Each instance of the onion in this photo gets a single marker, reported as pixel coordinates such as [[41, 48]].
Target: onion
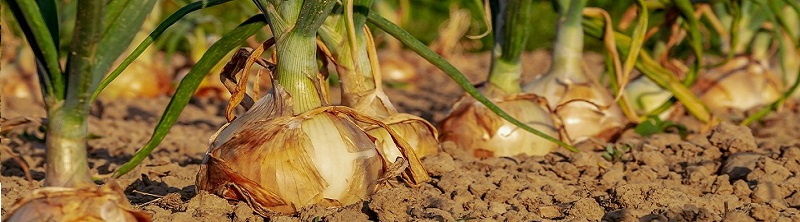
[[584, 107], [106, 203], [395, 70], [741, 83], [417, 132], [484, 134], [279, 162]]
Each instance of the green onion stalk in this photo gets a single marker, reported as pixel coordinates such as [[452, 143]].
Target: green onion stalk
[[350, 43], [99, 38], [291, 149], [478, 130], [576, 98]]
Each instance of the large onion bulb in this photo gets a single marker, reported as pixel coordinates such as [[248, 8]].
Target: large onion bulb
[[279, 162]]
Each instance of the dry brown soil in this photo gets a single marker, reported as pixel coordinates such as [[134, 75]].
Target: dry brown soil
[[725, 172]]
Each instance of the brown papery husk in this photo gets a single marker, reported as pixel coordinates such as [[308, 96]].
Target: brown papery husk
[[421, 135], [396, 70], [741, 83], [484, 134], [267, 157], [584, 109], [91, 203]]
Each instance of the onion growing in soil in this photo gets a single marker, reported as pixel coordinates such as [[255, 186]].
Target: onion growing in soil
[[106, 203], [290, 149], [474, 127], [744, 81], [395, 70], [70, 193], [354, 53], [582, 106], [740, 83]]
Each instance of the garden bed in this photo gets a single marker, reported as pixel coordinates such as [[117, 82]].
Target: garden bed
[[724, 172]]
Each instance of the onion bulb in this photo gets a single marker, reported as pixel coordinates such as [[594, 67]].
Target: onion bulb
[[106, 203], [645, 96], [395, 70], [584, 107], [362, 73], [280, 162], [484, 134], [741, 83]]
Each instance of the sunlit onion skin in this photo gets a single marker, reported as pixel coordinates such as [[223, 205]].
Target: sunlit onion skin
[[396, 70], [741, 83], [585, 109], [479, 131], [417, 132], [106, 203], [279, 162]]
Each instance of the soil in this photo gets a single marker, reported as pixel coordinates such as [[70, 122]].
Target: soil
[[723, 172]]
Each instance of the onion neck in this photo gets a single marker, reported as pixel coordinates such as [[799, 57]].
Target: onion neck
[[355, 70], [297, 68], [504, 78], [510, 36], [66, 164], [568, 51], [297, 71]]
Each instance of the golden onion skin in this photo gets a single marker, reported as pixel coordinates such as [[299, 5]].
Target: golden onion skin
[[396, 70], [417, 132], [106, 203], [585, 110], [741, 83], [279, 163], [477, 129]]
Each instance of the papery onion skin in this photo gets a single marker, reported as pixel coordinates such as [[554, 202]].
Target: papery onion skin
[[107, 203], [290, 162], [741, 83], [484, 134], [418, 133], [395, 70]]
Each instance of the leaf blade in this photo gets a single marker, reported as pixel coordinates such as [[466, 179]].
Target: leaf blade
[[189, 84], [168, 22]]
